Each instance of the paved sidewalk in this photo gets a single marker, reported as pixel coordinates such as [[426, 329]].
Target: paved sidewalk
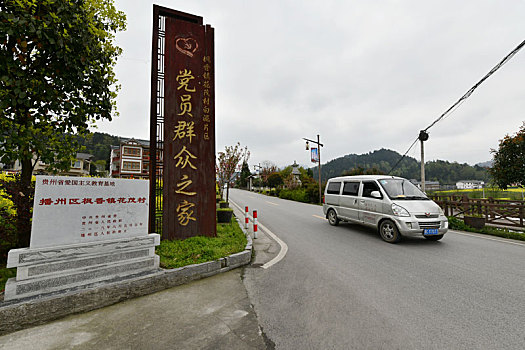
[[212, 313]]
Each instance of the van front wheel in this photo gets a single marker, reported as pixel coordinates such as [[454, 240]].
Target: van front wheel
[[389, 232], [332, 218]]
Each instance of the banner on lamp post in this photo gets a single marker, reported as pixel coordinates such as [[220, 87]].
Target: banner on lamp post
[[314, 155]]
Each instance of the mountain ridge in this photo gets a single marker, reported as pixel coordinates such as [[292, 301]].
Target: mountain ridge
[[383, 160]]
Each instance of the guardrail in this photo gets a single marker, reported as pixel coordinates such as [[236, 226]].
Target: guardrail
[[495, 211]]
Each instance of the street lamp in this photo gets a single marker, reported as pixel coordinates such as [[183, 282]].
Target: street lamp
[[319, 145]]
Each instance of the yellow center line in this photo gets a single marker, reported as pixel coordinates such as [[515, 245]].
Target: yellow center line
[[320, 217], [271, 203]]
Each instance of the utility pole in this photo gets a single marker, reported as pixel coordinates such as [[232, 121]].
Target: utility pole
[[319, 145], [423, 136]]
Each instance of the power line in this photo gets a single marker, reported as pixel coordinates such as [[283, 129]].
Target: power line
[[465, 96], [404, 155], [471, 90]]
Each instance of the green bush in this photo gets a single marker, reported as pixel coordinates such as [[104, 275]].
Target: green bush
[[298, 195], [457, 224], [5, 274]]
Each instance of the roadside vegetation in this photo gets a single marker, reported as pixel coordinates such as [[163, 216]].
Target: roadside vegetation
[[5, 274], [496, 193], [195, 250], [296, 184], [458, 224]]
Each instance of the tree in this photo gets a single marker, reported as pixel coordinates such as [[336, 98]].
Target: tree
[[57, 63], [227, 162], [360, 171], [245, 173], [509, 160], [267, 168], [275, 180]]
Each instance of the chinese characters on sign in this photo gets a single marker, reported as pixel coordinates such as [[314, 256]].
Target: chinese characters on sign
[[184, 133], [106, 225], [206, 96], [77, 182], [188, 173], [70, 210]]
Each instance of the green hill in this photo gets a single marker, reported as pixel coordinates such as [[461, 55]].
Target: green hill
[[384, 159]]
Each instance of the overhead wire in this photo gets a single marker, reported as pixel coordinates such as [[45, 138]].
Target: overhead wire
[[464, 97], [404, 155]]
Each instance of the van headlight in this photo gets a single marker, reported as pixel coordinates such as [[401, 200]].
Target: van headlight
[[399, 210], [441, 212]]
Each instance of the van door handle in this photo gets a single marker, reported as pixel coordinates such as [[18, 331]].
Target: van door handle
[[362, 200]]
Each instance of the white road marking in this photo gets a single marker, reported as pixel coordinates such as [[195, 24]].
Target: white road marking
[[502, 240], [284, 246], [320, 217], [272, 203], [282, 252]]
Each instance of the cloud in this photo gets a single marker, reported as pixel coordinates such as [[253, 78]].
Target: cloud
[[364, 75]]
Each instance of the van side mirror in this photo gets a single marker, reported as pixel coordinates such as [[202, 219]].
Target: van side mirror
[[375, 194]]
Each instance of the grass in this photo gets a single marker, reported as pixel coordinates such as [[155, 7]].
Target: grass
[[458, 224], [195, 250]]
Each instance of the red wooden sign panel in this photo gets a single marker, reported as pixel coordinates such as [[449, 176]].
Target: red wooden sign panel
[[188, 173]]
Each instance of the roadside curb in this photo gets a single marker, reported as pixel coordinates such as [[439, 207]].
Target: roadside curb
[[24, 313]]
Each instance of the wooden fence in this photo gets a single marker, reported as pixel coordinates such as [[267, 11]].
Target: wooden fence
[[495, 211]]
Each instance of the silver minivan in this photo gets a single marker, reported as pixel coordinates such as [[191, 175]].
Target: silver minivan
[[393, 205]]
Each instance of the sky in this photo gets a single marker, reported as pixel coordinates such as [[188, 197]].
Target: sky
[[364, 75]]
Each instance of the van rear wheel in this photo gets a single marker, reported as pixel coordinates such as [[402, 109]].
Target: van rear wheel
[[389, 232], [332, 218]]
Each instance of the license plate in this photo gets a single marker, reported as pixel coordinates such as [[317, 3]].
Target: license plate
[[431, 231]]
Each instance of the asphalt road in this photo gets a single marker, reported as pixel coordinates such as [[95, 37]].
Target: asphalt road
[[344, 288]]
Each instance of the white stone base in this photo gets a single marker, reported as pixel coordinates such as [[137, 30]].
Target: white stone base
[[47, 270]]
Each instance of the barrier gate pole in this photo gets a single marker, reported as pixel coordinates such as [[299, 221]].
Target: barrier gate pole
[[254, 224], [246, 219]]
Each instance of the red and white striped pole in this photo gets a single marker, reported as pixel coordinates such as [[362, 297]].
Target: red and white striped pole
[[255, 224], [246, 219]]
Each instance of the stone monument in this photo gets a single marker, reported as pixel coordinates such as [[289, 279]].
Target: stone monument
[[85, 232]]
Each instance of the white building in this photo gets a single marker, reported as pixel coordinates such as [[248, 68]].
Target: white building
[[469, 184], [79, 167], [131, 159]]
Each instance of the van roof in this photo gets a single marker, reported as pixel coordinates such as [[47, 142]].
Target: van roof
[[365, 177]]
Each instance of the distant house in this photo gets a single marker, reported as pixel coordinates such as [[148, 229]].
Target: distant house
[[131, 159], [79, 167], [429, 185], [469, 184]]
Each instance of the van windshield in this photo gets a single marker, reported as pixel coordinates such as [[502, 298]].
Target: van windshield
[[402, 189]]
